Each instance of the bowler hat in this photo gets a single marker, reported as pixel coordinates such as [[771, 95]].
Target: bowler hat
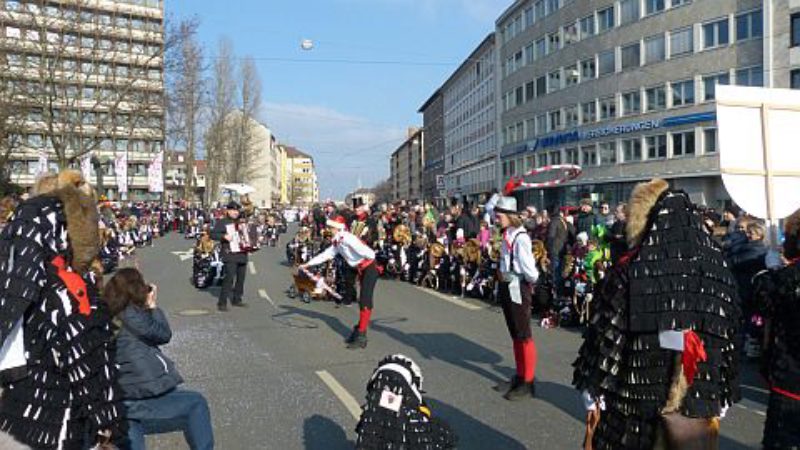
[[507, 205]]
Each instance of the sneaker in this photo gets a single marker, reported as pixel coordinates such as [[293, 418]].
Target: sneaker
[[520, 391], [359, 342], [222, 308]]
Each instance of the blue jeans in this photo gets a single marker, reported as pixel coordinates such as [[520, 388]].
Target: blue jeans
[[177, 410]]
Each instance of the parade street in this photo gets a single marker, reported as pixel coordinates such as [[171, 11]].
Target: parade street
[[278, 376]]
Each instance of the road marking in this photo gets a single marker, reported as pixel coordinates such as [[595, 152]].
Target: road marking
[[252, 266], [188, 254], [449, 298], [265, 296], [756, 389], [753, 410], [341, 393]]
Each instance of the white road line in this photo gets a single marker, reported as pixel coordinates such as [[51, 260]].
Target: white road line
[[752, 410], [341, 393], [265, 296], [755, 388], [252, 266], [449, 298]]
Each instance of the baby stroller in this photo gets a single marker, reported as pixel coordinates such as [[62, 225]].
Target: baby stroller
[[202, 270], [310, 286]]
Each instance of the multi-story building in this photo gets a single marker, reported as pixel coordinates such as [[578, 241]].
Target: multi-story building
[[85, 79], [175, 178], [625, 88], [406, 167], [470, 118], [433, 124], [303, 187]]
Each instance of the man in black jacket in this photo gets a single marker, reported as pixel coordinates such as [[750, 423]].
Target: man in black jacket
[[235, 262]]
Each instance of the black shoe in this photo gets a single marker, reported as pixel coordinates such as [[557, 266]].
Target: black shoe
[[222, 308], [520, 391], [359, 342], [504, 386], [239, 304], [353, 334]]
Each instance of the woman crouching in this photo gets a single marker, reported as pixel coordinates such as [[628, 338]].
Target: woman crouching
[[148, 379]]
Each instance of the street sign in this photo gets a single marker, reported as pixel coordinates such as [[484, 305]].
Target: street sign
[[440, 183]]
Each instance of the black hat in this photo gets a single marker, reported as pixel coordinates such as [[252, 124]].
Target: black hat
[[233, 205]]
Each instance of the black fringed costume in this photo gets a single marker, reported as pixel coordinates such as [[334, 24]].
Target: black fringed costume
[[778, 298], [399, 417], [60, 390], [674, 279]]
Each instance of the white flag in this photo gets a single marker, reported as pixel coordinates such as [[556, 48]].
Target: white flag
[[41, 167], [121, 169], [155, 174], [86, 166]]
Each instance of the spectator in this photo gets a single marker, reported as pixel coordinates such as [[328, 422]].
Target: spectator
[[559, 234], [617, 239], [586, 219], [148, 379], [606, 217]]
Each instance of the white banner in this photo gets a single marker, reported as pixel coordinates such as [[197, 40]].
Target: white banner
[[155, 173], [86, 166], [121, 170], [41, 167]]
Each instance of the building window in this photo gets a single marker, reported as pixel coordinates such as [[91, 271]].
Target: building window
[[656, 98], [519, 96], [541, 160], [606, 63], [555, 157], [654, 49], [631, 150], [554, 81], [541, 86], [608, 153], [751, 76], [656, 146], [653, 6], [13, 32], [528, 16], [681, 42], [552, 6], [608, 108], [530, 55], [715, 34], [587, 27], [541, 48], [588, 69], [571, 116], [589, 155], [572, 156], [553, 42], [555, 120], [710, 82], [749, 25], [605, 19], [631, 103], [571, 75], [541, 11], [682, 93], [683, 144], [541, 124], [631, 55], [628, 11], [588, 112], [570, 33], [530, 91], [710, 140], [794, 79], [795, 25]]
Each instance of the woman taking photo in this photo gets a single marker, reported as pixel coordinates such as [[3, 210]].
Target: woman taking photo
[[149, 380]]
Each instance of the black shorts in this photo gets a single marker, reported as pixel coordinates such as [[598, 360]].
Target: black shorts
[[518, 316]]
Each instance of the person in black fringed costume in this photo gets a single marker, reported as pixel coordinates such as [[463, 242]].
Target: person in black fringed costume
[[778, 298], [673, 279], [395, 415], [58, 378]]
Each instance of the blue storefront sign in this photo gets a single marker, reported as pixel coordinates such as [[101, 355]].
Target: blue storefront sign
[[558, 139]]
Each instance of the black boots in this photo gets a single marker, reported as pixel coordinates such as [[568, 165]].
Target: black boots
[[358, 341], [520, 390]]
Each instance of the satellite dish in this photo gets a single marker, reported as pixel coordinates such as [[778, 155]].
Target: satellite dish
[[307, 44]]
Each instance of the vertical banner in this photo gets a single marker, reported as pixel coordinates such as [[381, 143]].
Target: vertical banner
[[41, 167], [155, 173], [121, 170], [86, 166]]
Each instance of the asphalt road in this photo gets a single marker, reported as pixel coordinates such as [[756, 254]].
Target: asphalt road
[[277, 375]]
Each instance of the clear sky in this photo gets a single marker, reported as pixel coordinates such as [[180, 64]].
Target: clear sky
[[351, 114]]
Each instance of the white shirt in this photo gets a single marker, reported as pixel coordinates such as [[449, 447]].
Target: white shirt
[[524, 264], [351, 248]]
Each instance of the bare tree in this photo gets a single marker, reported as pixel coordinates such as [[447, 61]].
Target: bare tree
[[222, 104], [186, 92], [383, 191], [248, 142], [13, 114]]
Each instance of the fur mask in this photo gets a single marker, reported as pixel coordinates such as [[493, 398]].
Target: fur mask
[[80, 210], [643, 198]]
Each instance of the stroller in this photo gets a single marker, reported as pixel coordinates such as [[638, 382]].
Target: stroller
[[310, 286]]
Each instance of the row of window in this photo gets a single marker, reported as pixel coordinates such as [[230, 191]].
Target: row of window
[[86, 15], [473, 179], [794, 23], [31, 167], [651, 49], [533, 13], [678, 144], [631, 103], [85, 68], [83, 41], [102, 119], [38, 141]]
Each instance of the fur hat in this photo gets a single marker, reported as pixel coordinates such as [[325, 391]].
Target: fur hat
[[643, 198], [80, 209], [402, 234]]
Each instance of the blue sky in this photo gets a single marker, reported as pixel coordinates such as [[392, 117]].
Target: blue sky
[[349, 116]]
